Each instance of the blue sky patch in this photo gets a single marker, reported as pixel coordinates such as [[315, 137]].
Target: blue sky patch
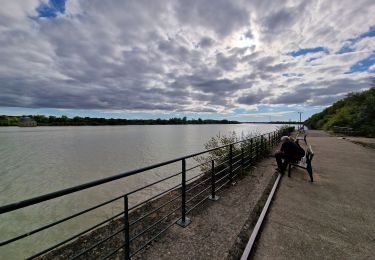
[[363, 65], [370, 33], [346, 49], [52, 8], [348, 46], [307, 50]]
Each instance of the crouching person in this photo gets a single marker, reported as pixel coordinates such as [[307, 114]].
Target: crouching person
[[289, 152]]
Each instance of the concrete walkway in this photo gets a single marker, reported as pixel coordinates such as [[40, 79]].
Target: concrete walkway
[[332, 218]]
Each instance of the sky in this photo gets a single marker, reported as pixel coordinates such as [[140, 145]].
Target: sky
[[242, 60]]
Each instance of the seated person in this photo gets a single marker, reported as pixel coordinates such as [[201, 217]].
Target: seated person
[[289, 152]]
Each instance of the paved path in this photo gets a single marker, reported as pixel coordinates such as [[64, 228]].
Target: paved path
[[332, 218]]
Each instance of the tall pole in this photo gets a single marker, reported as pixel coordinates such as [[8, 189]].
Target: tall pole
[[300, 119]]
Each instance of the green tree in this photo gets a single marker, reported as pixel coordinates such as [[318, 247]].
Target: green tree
[[356, 110]]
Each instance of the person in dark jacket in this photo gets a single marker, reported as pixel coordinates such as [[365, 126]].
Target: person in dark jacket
[[289, 152]]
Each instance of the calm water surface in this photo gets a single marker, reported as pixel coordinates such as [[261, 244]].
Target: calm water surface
[[35, 161]]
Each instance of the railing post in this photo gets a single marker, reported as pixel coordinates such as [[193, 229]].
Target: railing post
[[213, 195], [251, 150], [269, 140], [126, 229], [259, 148], [274, 138], [230, 161], [184, 221], [261, 145], [265, 143], [242, 159]]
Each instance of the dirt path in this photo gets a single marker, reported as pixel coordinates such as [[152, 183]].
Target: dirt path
[[332, 218]]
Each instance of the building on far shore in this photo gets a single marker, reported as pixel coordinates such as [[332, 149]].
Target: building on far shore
[[26, 121]]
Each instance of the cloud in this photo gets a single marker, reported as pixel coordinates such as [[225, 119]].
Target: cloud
[[252, 98], [316, 93], [182, 55], [206, 42], [352, 44], [223, 17], [262, 114]]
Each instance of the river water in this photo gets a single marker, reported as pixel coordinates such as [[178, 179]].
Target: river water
[[35, 161]]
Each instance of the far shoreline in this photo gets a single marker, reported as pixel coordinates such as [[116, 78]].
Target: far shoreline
[[239, 123], [42, 120]]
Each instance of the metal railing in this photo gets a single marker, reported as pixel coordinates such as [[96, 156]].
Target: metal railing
[[135, 229]]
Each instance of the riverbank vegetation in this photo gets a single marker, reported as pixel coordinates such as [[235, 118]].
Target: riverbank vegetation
[[247, 144], [356, 110], [81, 121]]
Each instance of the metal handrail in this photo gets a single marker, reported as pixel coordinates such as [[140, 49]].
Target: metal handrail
[[56, 194], [25, 203], [256, 145]]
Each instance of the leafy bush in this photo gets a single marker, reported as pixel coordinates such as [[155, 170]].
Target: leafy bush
[[220, 156]]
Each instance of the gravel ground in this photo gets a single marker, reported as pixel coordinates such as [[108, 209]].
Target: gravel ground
[[220, 229]]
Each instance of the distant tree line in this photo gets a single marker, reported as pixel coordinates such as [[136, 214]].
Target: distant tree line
[[356, 110], [80, 121], [276, 122], [9, 120]]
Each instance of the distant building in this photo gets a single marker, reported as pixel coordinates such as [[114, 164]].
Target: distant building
[[26, 121]]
